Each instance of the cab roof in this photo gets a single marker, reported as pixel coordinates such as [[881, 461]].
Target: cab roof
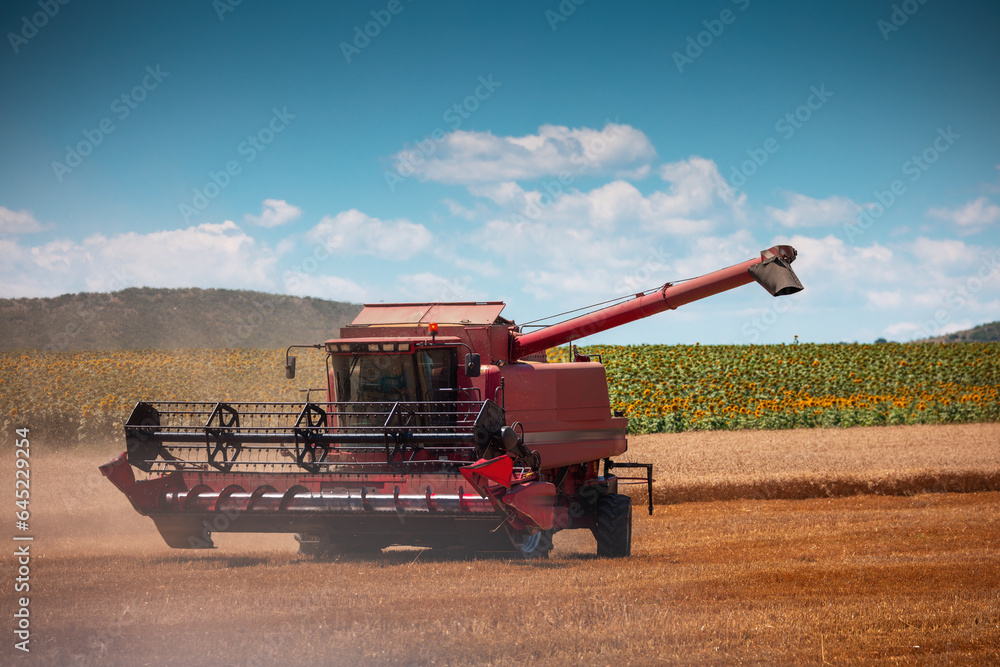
[[460, 313]]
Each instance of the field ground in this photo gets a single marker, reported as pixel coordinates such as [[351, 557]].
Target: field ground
[[760, 577]]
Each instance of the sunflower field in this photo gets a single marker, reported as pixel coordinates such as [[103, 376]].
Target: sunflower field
[[75, 396], [669, 388]]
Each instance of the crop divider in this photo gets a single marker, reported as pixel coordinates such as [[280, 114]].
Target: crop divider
[[610, 465]]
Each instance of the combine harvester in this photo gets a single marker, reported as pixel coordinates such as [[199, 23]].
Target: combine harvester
[[442, 427]]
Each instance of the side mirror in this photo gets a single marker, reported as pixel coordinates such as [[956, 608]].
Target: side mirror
[[472, 365], [289, 367]]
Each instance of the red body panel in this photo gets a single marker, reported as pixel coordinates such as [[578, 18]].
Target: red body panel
[[565, 411]]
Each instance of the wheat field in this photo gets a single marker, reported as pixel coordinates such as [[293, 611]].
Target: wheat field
[[811, 463], [878, 579]]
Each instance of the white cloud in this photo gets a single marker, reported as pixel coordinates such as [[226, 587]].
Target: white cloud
[[803, 211], [942, 252], [904, 330], [19, 222], [933, 286], [915, 330], [844, 273], [971, 217], [466, 261], [885, 299], [507, 193], [618, 204], [355, 232], [614, 239], [208, 255], [275, 212], [459, 211], [416, 287], [697, 201], [710, 253], [429, 287], [695, 183], [552, 259], [952, 327], [217, 253], [469, 158], [330, 287]]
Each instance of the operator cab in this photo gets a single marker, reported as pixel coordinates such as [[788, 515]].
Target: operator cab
[[374, 374], [424, 375]]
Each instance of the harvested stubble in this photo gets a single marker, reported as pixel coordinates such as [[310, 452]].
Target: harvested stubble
[[880, 580], [817, 463]]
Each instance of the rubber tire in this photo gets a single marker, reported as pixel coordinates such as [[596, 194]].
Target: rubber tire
[[533, 547], [614, 526]]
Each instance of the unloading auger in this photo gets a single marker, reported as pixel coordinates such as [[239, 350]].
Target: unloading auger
[[442, 426]]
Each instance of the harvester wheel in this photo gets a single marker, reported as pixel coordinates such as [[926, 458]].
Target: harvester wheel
[[614, 526]]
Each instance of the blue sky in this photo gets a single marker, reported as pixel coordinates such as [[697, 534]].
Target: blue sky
[[548, 154]]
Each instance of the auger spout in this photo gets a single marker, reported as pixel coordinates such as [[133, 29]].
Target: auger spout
[[772, 270]]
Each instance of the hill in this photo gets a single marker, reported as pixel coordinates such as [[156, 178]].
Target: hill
[[984, 333], [147, 318]]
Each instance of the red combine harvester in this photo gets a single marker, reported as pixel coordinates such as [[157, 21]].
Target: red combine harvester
[[438, 430]]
